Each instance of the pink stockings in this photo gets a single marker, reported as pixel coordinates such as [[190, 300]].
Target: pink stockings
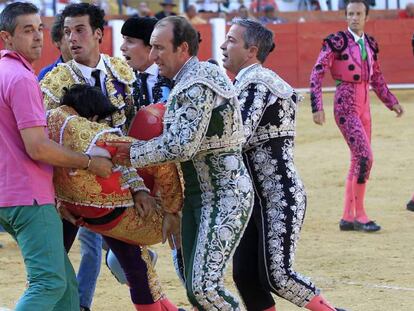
[[354, 208], [319, 303], [161, 305]]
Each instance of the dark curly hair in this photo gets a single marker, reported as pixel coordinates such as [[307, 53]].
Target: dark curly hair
[[88, 101], [95, 13], [56, 32]]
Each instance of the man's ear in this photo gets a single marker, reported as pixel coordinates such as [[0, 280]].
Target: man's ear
[[99, 34], [5, 36], [253, 50], [184, 48]]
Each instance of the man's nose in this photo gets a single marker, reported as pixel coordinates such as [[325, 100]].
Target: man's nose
[[153, 55]]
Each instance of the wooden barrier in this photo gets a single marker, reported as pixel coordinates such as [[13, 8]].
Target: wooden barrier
[[205, 51], [298, 45]]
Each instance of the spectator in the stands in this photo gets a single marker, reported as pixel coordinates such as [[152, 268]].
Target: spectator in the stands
[[207, 6], [315, 5], [144, 10], [270, 16], [192, 16], [408, 12], [243, 12], [167, 9], [260, 5]]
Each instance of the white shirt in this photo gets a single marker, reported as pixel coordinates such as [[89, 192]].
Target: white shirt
[[87, 73], [241, 72], [151, 80], [356, 37]]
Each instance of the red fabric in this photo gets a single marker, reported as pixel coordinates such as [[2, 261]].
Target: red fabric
[[403, 14], [87, 211], [167, 305], [156, 306], [148, 122], [111, 184]]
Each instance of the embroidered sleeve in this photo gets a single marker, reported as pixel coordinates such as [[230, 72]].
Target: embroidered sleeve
[[323, 63], [49, 102], [185, 124], [131, 180], [253, 101], [380, 87]]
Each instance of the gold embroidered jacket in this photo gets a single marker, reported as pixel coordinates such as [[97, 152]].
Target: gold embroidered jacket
[[118, 84]]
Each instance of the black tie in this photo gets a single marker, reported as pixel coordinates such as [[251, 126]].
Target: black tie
[[145, 100], [96, 74]]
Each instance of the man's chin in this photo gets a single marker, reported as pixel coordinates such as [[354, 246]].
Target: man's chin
[[78, 58]]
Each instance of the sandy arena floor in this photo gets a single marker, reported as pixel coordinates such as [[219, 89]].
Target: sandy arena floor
[[357, 271]]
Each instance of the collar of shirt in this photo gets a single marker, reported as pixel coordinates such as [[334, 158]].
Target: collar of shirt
[[356, 37], [87, 71], [241, 72], [16, 55], [179, 71], [152, 70]]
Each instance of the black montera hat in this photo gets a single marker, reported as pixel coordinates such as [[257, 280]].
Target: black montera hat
[[139, 27]]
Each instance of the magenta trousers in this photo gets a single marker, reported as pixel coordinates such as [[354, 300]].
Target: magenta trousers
[[353, 117]]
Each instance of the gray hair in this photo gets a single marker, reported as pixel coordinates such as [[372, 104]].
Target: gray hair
[[10, 13], [256, 35]]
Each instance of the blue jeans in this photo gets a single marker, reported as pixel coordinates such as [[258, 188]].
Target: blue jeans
[[39, 235], [90, 265]]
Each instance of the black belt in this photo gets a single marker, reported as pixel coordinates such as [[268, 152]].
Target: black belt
[[118, 211]]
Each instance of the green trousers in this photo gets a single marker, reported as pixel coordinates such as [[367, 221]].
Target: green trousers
[[52, 281], [217, 206]]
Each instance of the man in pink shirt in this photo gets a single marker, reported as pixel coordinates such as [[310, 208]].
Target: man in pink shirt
[[27, 199]]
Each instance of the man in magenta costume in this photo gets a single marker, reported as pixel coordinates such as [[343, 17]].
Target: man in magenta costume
[[352, 58]]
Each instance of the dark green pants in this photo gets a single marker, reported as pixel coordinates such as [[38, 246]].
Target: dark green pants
[[218, 204]]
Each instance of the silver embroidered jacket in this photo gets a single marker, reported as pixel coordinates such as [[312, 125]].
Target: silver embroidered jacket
[[202, 114], [268, 105]]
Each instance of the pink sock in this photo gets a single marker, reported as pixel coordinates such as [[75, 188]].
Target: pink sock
[[156, 306], [319, 303], [359, 191], [273, 308], [167, 305], [349, 202], [412, 198]]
